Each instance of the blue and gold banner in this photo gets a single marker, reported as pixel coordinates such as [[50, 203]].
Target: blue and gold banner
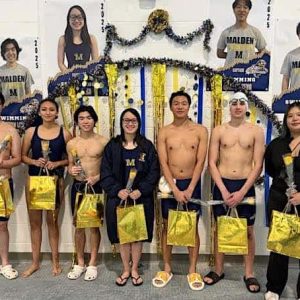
[[254, 75], [280, 102], [22, 114]]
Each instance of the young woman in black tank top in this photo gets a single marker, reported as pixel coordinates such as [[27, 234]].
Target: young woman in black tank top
[[57, 137], [77, 44]]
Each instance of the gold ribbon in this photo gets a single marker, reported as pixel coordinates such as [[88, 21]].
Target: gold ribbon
[[97, 103], [217, 98], [112, 76], [253, 115], [158, 95], [175, 79], [73, 103]]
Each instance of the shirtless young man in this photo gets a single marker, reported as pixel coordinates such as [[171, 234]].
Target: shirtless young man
[[9, 158], [235, 161], [182, 147], [89, 148]]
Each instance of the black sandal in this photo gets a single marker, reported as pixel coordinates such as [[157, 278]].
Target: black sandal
[[122, 279], [252, 281], [214, 277], [136, 280]]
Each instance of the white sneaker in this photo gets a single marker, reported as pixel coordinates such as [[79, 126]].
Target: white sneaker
[[271, 296]]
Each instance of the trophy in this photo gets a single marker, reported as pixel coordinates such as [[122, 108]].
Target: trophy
[[4, 143], [77, 162]]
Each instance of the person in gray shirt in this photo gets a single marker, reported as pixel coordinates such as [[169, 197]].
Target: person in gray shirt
[[15, 79], [241, 39], [291, 68]]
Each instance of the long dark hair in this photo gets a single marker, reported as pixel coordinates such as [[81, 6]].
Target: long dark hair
[[139, 139], [84, 34], [285, 130]]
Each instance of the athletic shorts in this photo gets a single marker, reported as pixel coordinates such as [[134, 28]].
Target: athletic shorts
[[244, 210], [79, 187], [11, 185], [171, 203]]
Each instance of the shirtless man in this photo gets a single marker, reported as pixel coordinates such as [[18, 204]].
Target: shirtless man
[[9, 158], [235, 161], [89, 147], [182, 147]]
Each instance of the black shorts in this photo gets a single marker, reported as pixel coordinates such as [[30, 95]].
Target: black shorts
[[171, 203], [11, 185], [244, 210], [79, 187]]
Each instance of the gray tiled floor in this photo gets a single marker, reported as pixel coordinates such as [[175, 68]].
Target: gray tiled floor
[[42, 285]]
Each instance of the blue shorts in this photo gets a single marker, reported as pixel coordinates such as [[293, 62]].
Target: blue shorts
[[244, 210], [11, 185], [78, 187], [171, 203]]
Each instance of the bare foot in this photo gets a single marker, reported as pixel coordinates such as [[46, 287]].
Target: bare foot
[[56, 269], [28, 272]]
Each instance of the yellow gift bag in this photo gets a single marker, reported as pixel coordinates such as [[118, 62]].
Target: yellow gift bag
[[89, 208], [6, 204], [42, 192], [284, 234], [131, 223], [181, 228], [232, 234]]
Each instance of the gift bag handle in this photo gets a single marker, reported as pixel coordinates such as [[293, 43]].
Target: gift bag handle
[[125, 201], [186, 206], [46, 170], [87, 186], [288, 206], [234, 210]]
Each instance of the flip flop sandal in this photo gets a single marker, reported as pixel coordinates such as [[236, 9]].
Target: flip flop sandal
[[163, 277], [195, 281], [91, 273], [136, 281], [122, 279], [76, 272], [252, 281], [8, 272], [214, 277]]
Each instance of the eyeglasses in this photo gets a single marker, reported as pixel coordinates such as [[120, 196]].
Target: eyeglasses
[[76, 17], [128, 121]]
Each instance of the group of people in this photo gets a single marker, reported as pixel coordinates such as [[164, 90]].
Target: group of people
[[235, 159]]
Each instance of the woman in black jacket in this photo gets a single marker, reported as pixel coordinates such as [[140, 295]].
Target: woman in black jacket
[[288, 142], [126, 151]]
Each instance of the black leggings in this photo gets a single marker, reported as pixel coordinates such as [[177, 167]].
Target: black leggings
[[277, 273]]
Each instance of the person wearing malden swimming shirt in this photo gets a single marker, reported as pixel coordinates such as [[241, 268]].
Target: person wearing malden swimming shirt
[[291, 68], [15, 79], [240, 40]]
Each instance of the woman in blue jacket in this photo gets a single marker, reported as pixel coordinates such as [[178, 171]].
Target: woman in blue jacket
[[126, 151]]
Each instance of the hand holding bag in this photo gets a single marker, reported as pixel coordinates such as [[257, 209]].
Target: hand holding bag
[[232, 234]]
